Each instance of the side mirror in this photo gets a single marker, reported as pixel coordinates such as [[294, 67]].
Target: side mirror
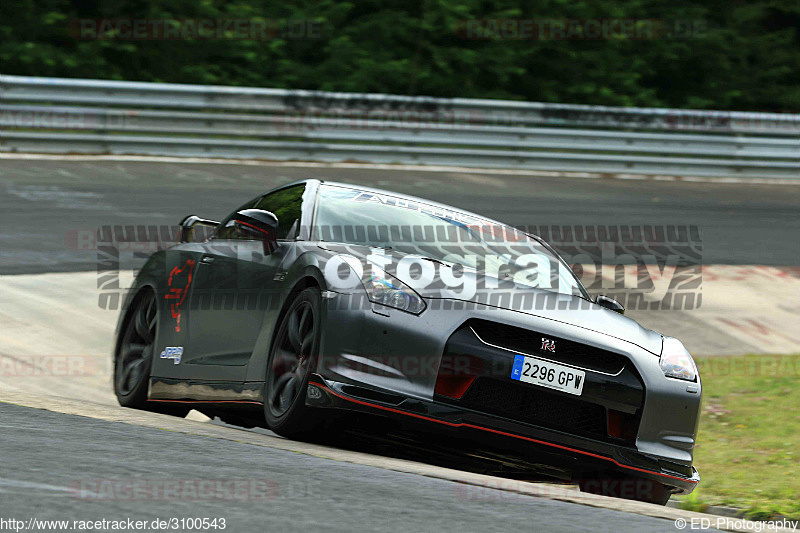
[[190, 232], [260, 225], [610, 303]]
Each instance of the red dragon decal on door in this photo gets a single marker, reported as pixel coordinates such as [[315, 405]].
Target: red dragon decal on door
[[178, 283]]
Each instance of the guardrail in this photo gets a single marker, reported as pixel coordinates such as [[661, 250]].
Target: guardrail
[[96, 116]]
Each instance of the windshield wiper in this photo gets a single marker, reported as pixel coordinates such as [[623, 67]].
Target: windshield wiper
[[434, 260]]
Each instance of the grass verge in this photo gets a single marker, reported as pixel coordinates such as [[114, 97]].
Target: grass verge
[[748, 445]]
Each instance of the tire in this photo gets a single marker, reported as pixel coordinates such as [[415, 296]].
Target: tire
[[292, 358], [134, 358], [628, 488]]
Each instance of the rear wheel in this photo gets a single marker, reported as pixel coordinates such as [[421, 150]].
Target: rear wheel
[[135, 357], [292, 357]]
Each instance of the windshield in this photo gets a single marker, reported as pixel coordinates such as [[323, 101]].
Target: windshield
[[354, 216]]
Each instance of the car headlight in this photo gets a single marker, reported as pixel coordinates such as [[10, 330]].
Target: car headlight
[[676, 361], [386, 290]]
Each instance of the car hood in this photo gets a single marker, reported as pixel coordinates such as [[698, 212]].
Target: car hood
[[478, 288], [550, 305]]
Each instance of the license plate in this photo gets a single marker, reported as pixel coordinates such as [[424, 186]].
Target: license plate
[[546, 374]]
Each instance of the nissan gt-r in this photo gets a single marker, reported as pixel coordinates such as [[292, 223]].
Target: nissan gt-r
[[318, 299]]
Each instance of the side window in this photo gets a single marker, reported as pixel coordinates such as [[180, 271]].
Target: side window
[[286, 204]]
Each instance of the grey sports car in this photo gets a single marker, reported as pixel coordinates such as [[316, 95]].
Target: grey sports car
[[318, 299]]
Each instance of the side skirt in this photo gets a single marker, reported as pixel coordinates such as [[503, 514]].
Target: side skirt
[[211, 392]]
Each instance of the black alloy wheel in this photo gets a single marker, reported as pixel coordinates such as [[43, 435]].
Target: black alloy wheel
[[135, 357], [292, 358]]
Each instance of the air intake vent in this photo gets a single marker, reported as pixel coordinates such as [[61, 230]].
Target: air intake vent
[[530, 342], [528, 404]]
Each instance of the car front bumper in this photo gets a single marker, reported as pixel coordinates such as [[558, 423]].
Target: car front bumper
[[534, 444], [387, 361]]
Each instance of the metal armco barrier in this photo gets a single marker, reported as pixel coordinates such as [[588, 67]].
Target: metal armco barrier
[[55, 115]]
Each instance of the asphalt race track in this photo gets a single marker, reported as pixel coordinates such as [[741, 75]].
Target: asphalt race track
[[78, 437], [746, 229], [88, 469], [43, 200]]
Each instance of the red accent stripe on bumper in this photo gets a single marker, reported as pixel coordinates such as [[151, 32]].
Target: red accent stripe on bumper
[[206, 401], [496, 431]]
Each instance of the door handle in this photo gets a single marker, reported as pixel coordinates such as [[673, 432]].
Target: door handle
[[207, 259]]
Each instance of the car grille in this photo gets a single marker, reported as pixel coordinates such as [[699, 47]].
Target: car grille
[[527, 404], [530, 342]]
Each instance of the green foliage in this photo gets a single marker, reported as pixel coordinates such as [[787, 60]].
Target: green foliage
[[743, 56]]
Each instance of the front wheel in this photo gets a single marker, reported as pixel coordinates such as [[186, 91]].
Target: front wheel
[[292, 357]]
